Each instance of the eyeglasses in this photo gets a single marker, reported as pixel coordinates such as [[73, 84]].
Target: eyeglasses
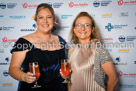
[[86, 26]]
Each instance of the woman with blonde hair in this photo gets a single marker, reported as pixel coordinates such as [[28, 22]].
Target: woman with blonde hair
[[90, 62]]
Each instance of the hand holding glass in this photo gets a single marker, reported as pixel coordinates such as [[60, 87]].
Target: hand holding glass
[[65, 69], [34, 68]]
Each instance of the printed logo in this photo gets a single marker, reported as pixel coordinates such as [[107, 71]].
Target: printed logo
[[123, 50], [17, 17], [11, 5], [120, 2], [71, 5], [4, 28], [122, 38], [7, 61], [121, 74], [103, 3], [65, 16], [106, 15], [128, 2], [62, 27], [96, 3], [2, 5], [127, 86], [7, 84], [34, 26], [109, 27], [123, 14], [55, 5], [6, 73], [118, 61], [25, 5]]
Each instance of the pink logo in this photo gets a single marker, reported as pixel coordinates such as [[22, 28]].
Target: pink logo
[[5, 39], [25, 5], [120, 2], [120, 73], [71, 4]]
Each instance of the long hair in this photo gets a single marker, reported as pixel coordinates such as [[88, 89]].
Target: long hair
[[94, 34]]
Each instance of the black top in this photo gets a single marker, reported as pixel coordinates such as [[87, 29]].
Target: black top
[[49, 65]]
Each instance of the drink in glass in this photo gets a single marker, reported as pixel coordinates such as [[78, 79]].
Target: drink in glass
[[34, 68], [65, 69]]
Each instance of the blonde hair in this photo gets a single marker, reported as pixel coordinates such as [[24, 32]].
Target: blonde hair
[[94, 35], [44, 6]]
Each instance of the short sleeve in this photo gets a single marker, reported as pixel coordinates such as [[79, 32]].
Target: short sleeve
[[103, 54], [22, 44]]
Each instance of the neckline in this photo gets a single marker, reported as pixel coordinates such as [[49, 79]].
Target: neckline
[[34, 47]]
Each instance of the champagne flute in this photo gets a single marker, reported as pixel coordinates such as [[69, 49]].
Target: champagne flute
[[65, 69], [34, 68]]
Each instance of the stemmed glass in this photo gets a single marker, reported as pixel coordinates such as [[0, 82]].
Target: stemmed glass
[[65, 69], [34, 68]]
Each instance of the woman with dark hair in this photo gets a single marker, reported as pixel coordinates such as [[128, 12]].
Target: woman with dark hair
[[42, 47], [90, 62]]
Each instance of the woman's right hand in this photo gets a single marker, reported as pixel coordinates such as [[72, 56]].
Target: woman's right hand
[[29, 78]]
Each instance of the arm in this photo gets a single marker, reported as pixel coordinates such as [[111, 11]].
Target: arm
[[109, 69], [15, 67]]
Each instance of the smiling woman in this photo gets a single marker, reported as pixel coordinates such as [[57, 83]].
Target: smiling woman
[[90, 64], [42, 47]]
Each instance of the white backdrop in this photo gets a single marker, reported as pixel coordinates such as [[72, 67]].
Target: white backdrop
[[116, 20]]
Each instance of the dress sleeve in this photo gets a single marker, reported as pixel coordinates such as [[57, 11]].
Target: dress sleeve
[[104, 55], [64, 46], [22, 44], [62, 41]]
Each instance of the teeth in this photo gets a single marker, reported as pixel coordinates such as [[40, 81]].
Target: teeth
[[45, 25], [82, 32]]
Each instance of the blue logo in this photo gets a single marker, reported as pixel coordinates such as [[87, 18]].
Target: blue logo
[[17, 17], [96, 3], [6, 73], [122, 38], [1, 16], [34, 26], [7, 59], [65, 16], [109, 27], [62, 27], [118, 59], [2, 5]]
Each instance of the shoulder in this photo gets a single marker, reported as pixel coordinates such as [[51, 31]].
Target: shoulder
[[70, 50], [61, 39], [29, 37]]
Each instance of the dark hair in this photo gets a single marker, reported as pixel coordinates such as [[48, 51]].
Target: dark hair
[[44, 6], [94, 34]]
